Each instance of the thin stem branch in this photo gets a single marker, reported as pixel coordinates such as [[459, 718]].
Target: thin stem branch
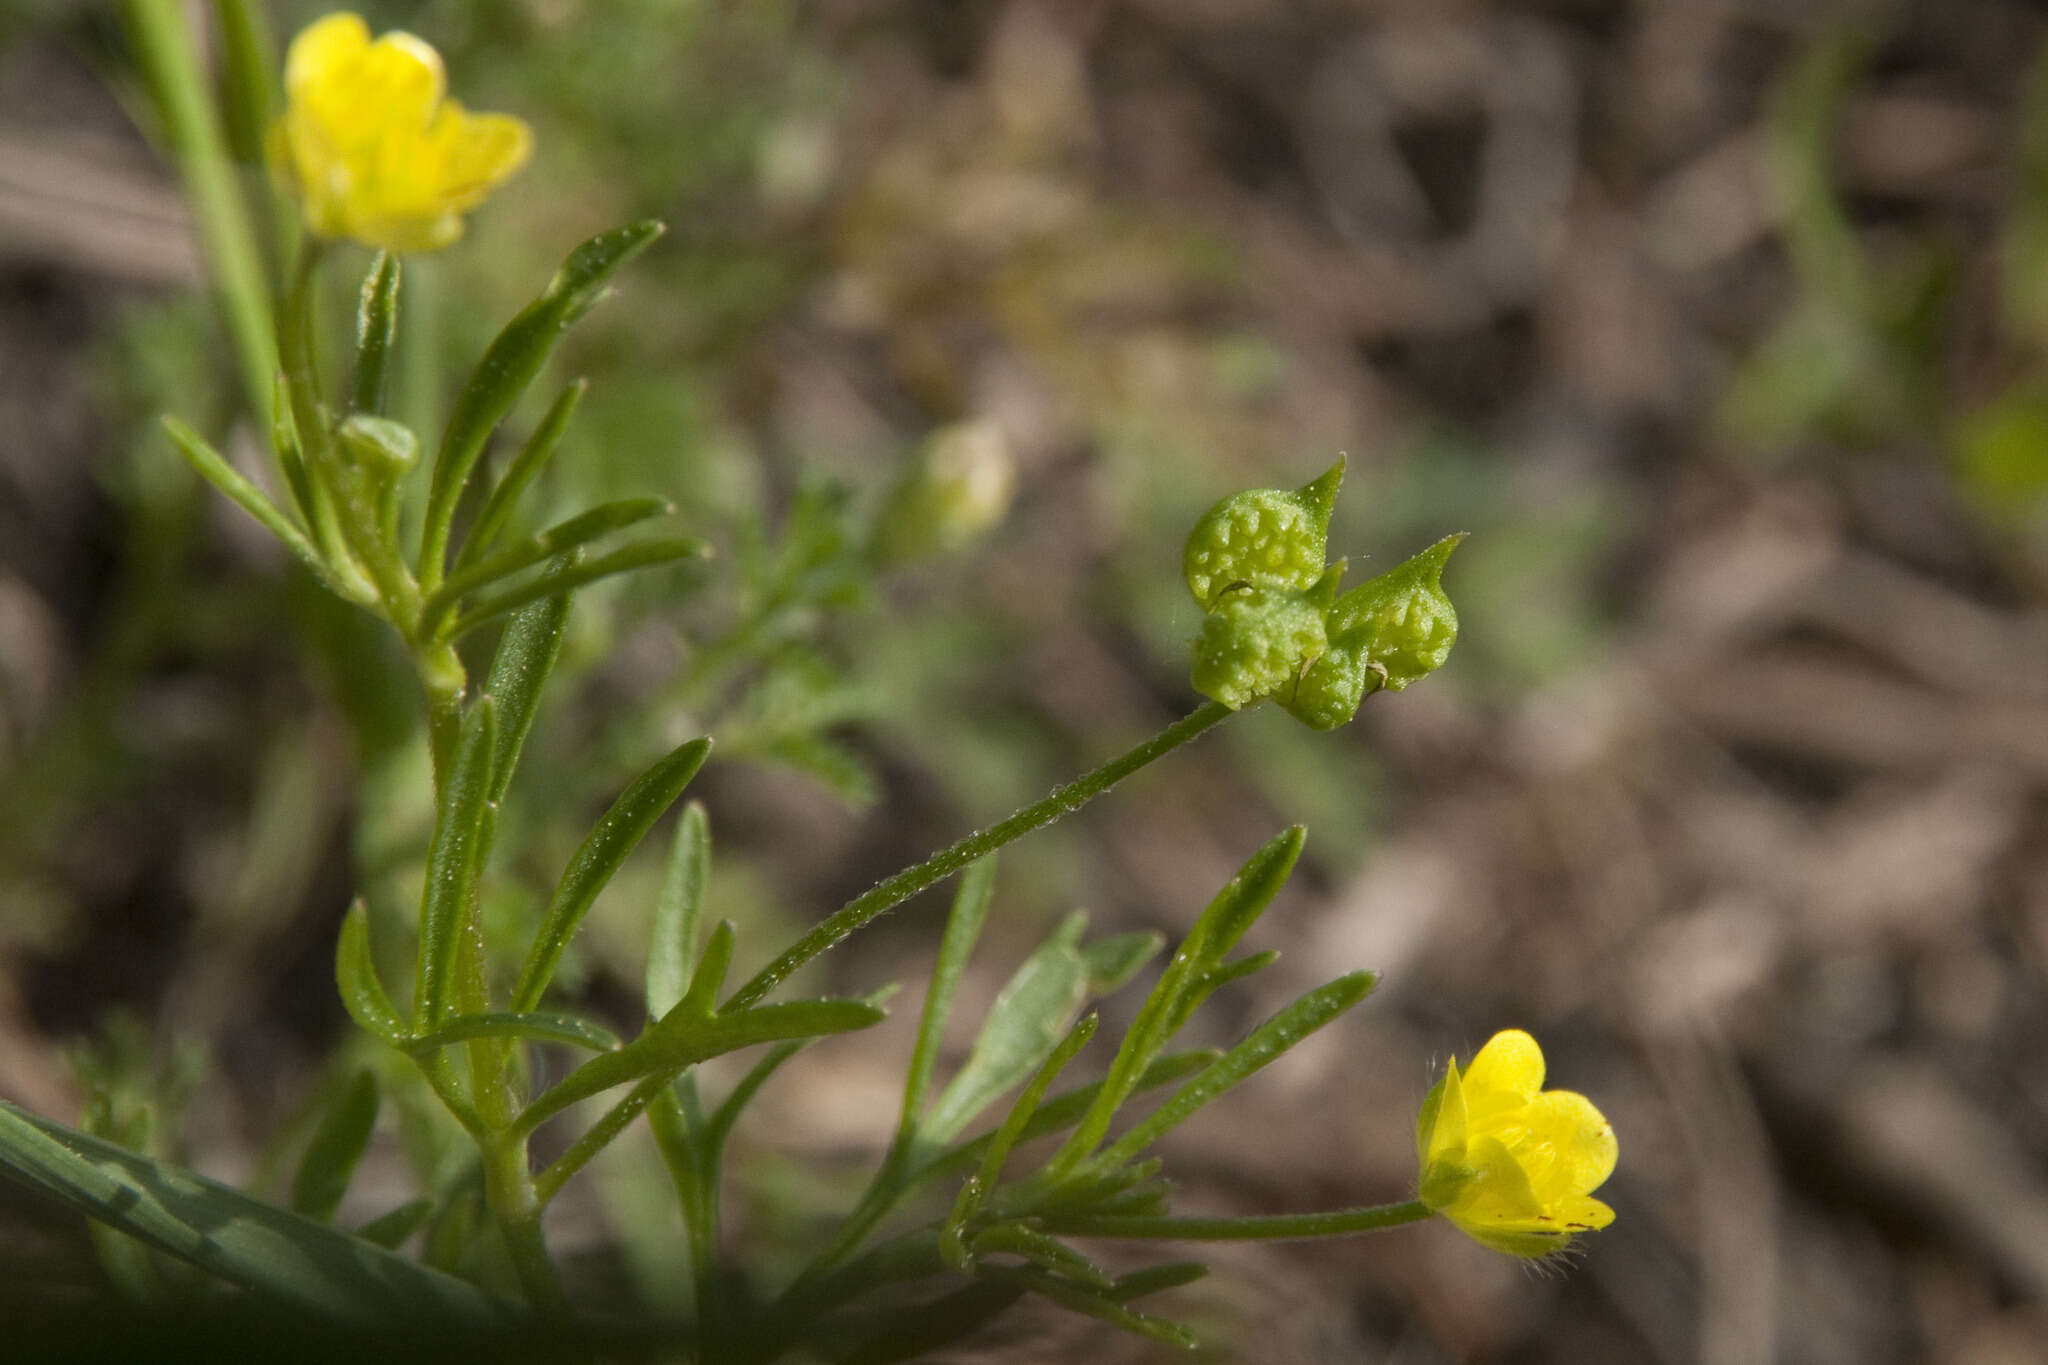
[[1269, 1228], [886, 895]]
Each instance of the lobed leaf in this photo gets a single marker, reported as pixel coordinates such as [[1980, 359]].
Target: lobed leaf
[[454, 864], [355, 973]]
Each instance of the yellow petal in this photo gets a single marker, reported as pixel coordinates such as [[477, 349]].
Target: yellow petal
[[468, 155], [1511, 1064], [323, 47], [1566, 1145]]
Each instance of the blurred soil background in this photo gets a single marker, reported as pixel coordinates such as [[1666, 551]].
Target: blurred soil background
[[1720, 326]]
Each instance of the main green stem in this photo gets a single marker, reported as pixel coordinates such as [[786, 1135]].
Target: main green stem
[[886, 895]]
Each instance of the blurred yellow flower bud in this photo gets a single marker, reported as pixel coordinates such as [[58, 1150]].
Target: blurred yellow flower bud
[[1512, 1164], [958, 487], [373, 150]]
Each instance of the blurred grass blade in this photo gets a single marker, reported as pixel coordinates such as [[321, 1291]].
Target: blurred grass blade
[[454, 863], [677, 909], [525, 467], [247, 84], [526, 655], [541, 1027], [287, 1259], [559, 539], [1029, 1017], [607, 846], [376, 329], [355, 972], [391, 1229], [337, 1145], [1279, 1033], [510, 364], [963, 930], [643, 555]]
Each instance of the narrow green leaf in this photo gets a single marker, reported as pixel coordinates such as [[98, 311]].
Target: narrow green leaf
[[1095, 1303], [963, 929], [1156, 1279], [525, 467], [510, 364], [338, 1144], [559, 539], [683, 1039], [287, 1259], [212, 466], [1014, 1123], [641, 555], [541, 1027], [1113, 961], [1029, 1017], [702, 993], [355, 972], [454, 865], [526, 656], [607, 846], [1047, 1253], [1279, 1033], [1216, 931], [676, 911], [376, 330], [391, 1229], [1062, 1110]]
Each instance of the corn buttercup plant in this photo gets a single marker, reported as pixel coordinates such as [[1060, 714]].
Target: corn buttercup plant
[[994, 1177]]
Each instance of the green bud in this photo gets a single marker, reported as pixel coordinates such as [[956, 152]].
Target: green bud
[[1256, 642], [381, 448], [1264, 538]]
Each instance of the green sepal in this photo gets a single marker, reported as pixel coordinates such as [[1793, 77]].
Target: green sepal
[[1262, 538], [508, 366], [606, 847], [355, 973], [336, 1147]]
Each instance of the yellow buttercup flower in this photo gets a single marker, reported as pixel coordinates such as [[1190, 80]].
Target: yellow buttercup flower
[[1512, 1164], [373, 150]]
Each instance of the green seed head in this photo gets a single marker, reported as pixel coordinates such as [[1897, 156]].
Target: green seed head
[[1266, 538]]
